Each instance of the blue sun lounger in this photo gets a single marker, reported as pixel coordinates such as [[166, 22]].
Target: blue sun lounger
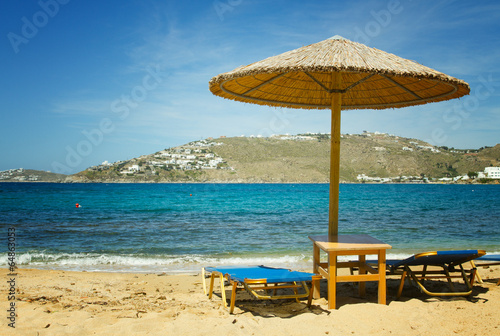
[[261, 282], [487, 260], [448, 261]]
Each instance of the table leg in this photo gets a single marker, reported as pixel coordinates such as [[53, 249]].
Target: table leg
[[316, 261], [332, 280], [362, 270], [381, 282]]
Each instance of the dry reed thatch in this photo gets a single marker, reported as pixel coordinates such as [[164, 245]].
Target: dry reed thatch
[[371, 78]]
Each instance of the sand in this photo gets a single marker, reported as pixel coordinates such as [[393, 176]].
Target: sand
[[52, 302]]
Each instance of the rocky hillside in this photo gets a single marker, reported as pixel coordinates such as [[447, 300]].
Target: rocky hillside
[[300, 158]]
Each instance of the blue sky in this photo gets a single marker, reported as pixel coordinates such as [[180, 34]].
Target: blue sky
[[88, 81]]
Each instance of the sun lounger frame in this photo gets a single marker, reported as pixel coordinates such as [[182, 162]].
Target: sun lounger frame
[[254, 285], [488, 260], [448, 261]]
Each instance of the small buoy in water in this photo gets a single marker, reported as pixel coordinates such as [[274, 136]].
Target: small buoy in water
[[190, 194], [78, 205]]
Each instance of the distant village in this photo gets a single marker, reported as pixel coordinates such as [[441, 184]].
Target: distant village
[[194, 156], [198, 155], [488, 173], [16, 175]]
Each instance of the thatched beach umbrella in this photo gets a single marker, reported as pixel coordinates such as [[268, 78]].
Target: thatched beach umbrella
[[337, 74]]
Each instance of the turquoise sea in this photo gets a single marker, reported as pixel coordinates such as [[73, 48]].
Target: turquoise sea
[[183, 227]]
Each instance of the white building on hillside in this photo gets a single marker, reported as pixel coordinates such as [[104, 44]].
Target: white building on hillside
[[492, 172]]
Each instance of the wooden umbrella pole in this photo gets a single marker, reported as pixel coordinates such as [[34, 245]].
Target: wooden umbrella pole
[[333, 217]]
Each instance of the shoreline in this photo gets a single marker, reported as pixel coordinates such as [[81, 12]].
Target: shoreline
[[182, 265], [50, 302], [493, 182]]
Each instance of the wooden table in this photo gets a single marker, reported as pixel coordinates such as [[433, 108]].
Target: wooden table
[[349, 245]]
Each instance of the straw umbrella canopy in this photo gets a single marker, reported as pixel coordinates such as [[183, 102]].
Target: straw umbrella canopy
[[337, 74]]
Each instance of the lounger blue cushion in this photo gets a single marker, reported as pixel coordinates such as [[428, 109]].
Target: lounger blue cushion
[[272, 275], [490, 257], [439, 258]]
